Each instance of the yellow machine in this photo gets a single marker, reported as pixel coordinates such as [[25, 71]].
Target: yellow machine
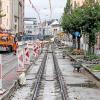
[[6, 42], [61, 34]]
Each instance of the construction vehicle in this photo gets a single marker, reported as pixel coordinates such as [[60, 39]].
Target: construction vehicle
[[7, 42]]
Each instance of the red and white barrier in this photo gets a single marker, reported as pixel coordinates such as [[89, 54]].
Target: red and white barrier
[[35, 49], [39, 47], [1, 90], [20, 55], [27, 56]]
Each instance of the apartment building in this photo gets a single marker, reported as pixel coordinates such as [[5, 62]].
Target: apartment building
[[21, 16], [76, 3], [13, 21], [31, 26], [0, 10]]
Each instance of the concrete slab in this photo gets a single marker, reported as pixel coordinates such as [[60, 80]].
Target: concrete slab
[[49, 87], [80, 87]]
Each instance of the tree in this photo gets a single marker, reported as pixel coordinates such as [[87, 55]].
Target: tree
[[85, 18], [72, 23], [91, 23]]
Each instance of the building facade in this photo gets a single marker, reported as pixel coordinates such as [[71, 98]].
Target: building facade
[[55, 27], [0, 10], [13, 21], [21, 16], [30, 26], [30, 29], [51, 27], [76, 3]]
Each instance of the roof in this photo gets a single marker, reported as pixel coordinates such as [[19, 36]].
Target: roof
[[55, 23]]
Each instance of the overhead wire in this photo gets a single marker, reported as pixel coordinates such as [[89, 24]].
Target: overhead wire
[[35, 9]]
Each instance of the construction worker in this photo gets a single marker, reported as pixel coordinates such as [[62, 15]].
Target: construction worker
[[15, 46]]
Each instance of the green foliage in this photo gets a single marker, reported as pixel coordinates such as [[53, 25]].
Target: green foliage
[[86, 18], [91, 57], [67, 9], [83, 19], [91, 18], [95, 67]]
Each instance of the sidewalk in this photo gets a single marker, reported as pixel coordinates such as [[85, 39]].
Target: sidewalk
[[79, 86], [95, 73]]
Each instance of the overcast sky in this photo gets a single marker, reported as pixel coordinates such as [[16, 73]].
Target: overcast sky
[[44, 10]]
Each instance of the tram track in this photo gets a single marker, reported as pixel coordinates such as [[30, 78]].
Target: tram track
[[63, 88], [49, 84], [39, 78]]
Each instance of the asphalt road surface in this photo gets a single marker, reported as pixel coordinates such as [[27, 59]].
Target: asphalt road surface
[[9, 63]]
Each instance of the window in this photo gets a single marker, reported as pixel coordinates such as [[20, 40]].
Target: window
[[4, 38]]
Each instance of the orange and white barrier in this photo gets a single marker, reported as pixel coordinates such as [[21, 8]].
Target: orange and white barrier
[[20, 60], [27, 56]]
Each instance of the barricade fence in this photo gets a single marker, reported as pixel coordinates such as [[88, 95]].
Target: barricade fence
[[24, 56]]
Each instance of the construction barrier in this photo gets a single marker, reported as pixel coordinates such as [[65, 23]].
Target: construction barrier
[[40, 47], [20, 55], [35, 46], [27, 55]]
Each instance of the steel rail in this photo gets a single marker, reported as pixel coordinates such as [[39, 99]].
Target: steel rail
[[63, 88], [39, 77]]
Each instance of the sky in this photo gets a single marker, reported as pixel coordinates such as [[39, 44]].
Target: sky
[[43, 9]]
